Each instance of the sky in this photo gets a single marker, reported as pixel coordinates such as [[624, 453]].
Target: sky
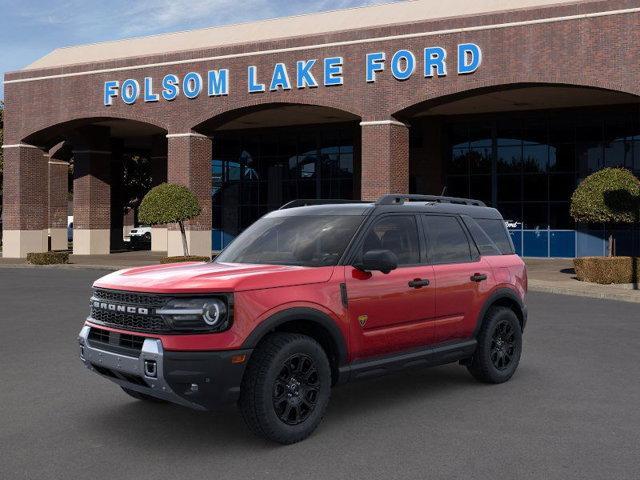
[[29, 29]]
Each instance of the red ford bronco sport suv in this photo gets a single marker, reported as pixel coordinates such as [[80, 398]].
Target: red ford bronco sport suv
[[312, 295]]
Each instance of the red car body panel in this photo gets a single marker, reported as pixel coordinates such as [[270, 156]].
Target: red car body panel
[[260, 291], [198, 278], [384, 314]]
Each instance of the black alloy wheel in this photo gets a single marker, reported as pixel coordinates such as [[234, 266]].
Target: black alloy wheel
[[296, 388], [503, 345], [286, 387], [499, 347]]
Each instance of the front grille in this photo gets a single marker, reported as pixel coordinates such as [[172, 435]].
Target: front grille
[[127, 320], [99, 335], [148, 300], [122, 343], [131, 341]]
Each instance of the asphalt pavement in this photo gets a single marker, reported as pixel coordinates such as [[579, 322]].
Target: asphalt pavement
[[571, 410]]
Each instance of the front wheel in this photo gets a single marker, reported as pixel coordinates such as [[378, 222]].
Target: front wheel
[[499, 347], [285, 390]]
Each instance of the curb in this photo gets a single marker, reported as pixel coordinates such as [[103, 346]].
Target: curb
[[629, 297]]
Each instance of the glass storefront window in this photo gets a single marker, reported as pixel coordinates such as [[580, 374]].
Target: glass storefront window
[[538, 158], [256, 171]]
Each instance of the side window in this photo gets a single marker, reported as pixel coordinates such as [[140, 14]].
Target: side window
[[485, 244], [448, 242], [397, 233], [497, 231]]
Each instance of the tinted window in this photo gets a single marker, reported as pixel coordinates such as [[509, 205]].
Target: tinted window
[[447, 240], [398, 234], [485, 244], [497, 231], [314, 240]]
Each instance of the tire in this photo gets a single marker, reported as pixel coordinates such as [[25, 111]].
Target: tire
[[286, 388], [141, 396], [499, 347]]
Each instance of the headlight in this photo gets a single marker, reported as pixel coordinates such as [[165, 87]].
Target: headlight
[[196, 314]]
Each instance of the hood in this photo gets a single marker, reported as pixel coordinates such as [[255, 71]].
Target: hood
[[211, 277]]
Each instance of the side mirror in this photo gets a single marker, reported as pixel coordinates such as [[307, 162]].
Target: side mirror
[[380, 260]]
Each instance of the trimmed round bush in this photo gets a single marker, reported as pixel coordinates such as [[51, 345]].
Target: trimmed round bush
[[611, 195], [168, 203]]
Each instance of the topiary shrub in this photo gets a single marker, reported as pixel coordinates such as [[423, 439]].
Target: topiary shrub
[[170, 203], [190, 258], [611, 195], [48, 258], [607, 270]]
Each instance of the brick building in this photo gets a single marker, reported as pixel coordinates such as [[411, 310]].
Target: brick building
[[511, 102]]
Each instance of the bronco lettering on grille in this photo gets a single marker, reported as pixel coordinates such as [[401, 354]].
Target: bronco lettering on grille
[[120, 308]]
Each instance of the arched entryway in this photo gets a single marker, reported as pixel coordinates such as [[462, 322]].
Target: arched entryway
[[264, 156], [112, 162], [523, 149]]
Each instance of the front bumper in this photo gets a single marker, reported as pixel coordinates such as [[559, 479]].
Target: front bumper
[[198, 380]]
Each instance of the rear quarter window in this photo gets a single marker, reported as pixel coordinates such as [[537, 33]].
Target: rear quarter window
[[496, 230]]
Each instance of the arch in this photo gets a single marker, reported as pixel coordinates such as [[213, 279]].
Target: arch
[[412, 106], [48, 136], [211, 122]]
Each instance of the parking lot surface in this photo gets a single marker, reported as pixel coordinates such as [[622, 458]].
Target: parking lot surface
[[571, 410]]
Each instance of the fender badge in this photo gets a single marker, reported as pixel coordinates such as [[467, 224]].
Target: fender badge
[[362, 319]]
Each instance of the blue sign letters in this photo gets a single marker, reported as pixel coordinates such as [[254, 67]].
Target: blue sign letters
[[431, 62]]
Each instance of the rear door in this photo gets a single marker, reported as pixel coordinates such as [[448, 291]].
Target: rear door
[[462, 277], [394, 311]]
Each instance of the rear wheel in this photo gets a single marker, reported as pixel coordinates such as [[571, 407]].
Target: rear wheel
[[499, 347], [141, 396], [286, 388]]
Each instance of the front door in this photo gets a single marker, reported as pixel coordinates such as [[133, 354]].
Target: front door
[[394, 311]]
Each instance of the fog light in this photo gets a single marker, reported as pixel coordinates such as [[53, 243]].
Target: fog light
[[150, 369], [82, 352]]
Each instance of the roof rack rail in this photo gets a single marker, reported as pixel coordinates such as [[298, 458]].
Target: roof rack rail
[[302, 202], [400, 199]]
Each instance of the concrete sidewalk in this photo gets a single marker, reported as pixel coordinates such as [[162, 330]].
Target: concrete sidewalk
[[556, 275], [545, 274], [115, 261]]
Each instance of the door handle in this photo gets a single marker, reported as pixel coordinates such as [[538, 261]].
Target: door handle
[[418, 283], [478, 277]]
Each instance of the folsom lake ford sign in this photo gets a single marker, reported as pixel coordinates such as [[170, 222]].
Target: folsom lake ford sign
[[309, 73]]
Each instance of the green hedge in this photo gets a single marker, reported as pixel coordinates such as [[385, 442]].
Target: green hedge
[[607, 270], [190, 258], [48, 258]]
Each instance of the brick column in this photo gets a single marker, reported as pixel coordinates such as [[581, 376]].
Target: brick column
[[25, 212], [158, 175], [92, 192], [189, 164], [385, 158], [58, 191]]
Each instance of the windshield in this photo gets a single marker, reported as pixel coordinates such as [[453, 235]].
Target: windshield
[[312, 241]]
